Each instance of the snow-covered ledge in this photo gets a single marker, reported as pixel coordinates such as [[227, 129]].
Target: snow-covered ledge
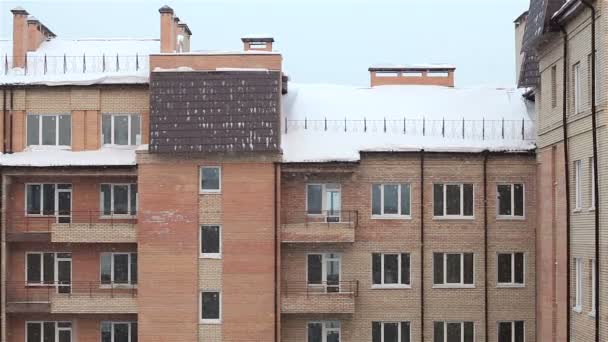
[[35, 157]]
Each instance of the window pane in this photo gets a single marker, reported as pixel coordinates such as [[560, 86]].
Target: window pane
[[133, 199], [438, 333], [210, 178], [454, 332], [391, 332], [519, 199], [315, 269], [121, 130], [106, 199], [469, 332], [135, 130], [519, 331], [49, 130], [121, 198], [333, 336], [391, 269], [65, 335], [314, 198], [504, 268], [405, 331], [106, 128], [438, 199], [106, 268], [519, 268], [33, 199], [453, 199], [315, 332], [468, 200], [210, 239], [437, 268], [391, 199], [405, 268], [106, 332], [133, 268], [376, 332], [34, 268], [49, 268], [504, 200], [376, 203], [211, 305], [504, 332], [377, 268], [468, 268], [34, 332], [405, 199], [33, 129], [65, 130], [48, 201], [48, 332], [453, 268], [134, 332], [121, 332], [121, 268]]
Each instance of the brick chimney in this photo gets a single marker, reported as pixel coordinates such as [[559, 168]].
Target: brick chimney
[[20, 37], [167, 30], [431, 74], [37, 33], [183, 37], [257, 43]]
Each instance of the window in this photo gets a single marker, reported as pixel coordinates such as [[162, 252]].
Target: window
[[53, 130], [390, 269], [48, 332], [578, 286], [453, 332], [323, 271], [510, 269], [210, 241], [510, 200], [41, 199], [592, 311], [324, 199], [391, 200], [576, 95], [211, 179], [453, 269], [453, 200], [511, 331], [578, 195], [390, 331], [42, 268], [326, 331], [118, 331], [120, 129], [554, 86], [210, 307], [592, 181], [119, 268], [118, 199]]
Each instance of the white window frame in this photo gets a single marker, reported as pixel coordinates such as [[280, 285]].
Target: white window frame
[[399, 330], [512, 329], [460, 284], [200, 180], [398, 285], [112, 214], [445, 203], [326, 329], [112, 323], [576, 71], [512, 283], [578, 191], [523, 202], [57, 329], [56, 259], [578, 285], [200, 308], [593, 289], [592, 182], [324, 190], [445, 329], [129, 126], [217, 255], [399, 215], [57, 135], [55, 196], [129, 283]]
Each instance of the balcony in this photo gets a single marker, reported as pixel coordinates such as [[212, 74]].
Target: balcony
[[75, 297], [326, 227], [333, 298], [74, 227]]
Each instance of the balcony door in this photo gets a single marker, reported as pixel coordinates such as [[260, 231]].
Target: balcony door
[[64, 273], [323, 272], [64, 204]]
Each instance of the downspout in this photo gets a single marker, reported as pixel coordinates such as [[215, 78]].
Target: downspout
[[276, 260], [421, 245], [10, 126], [4, 120], [485, 238]]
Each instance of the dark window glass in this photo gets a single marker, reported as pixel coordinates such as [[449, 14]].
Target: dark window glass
[[519, 331], [48, 202], [133, 199], [519, 199], [519, 268], [121, 332], [135, 131], [211, 305], [453, 268], [106, 268], [391, 269], [405, 268], [315, 267], [106, 332], [34, 268], [49, 130], [405, 331], [391, 199], [121, 130], [454, 332], [391, 332], [453, 199], [504, 332], [315, 198], [437, 268], [333, 336], [210, 236], [34, 195], [106, 128], [315, 332], [133, 268], [376, 200], [65, 130], [377, 268], [405, 199], [210, 180], [504, 200], [468, 268], [505, 274], [33, 130], [49, 268], [34, 332], [121, 199], [106, 199], [376, 332], [467, 195], [438, 199], [469, 332], [48, 332], [65, 335], [121, 268], [134, 332], [438, 333]]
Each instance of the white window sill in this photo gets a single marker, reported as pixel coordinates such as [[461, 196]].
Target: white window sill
[[577, 210], [118, 216], [118, 286], [210, 192], [210, 321], [210, 256], [591, 209], [510, 286], [390, 286], [577, 309], [391, 217], [455, 218], [510, 218], [453, 286], [591, 314], [125, 147]]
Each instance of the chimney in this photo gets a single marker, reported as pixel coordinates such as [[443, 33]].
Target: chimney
[[37, 33], [20, 37], [424, 74], [183, 37], [520, 26], [167, 30], [175, 30], [257, 43]]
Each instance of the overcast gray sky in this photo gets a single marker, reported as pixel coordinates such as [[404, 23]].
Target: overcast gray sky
[[322, 41]]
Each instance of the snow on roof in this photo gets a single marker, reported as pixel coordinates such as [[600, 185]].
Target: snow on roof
[[429, 66], [336, 123], [58, 157], [98, 47]]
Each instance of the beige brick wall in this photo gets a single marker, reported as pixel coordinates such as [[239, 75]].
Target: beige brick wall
[[94, 232], [85, 304]]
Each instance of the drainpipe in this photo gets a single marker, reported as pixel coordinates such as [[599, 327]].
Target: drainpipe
[[3, 120], [10, 126], [485, 238], [421, 245], [276, 254]]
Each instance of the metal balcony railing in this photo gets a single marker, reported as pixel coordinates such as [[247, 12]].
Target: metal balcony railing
[[302, 288], [328, 218], [82, 64], [20, 222], [23, 292]]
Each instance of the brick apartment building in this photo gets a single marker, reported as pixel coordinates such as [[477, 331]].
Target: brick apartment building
[[570, 94], [154, 193]]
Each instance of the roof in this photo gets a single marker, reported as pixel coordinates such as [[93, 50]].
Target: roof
[[417, 67], [539, 19], [336, 123]]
